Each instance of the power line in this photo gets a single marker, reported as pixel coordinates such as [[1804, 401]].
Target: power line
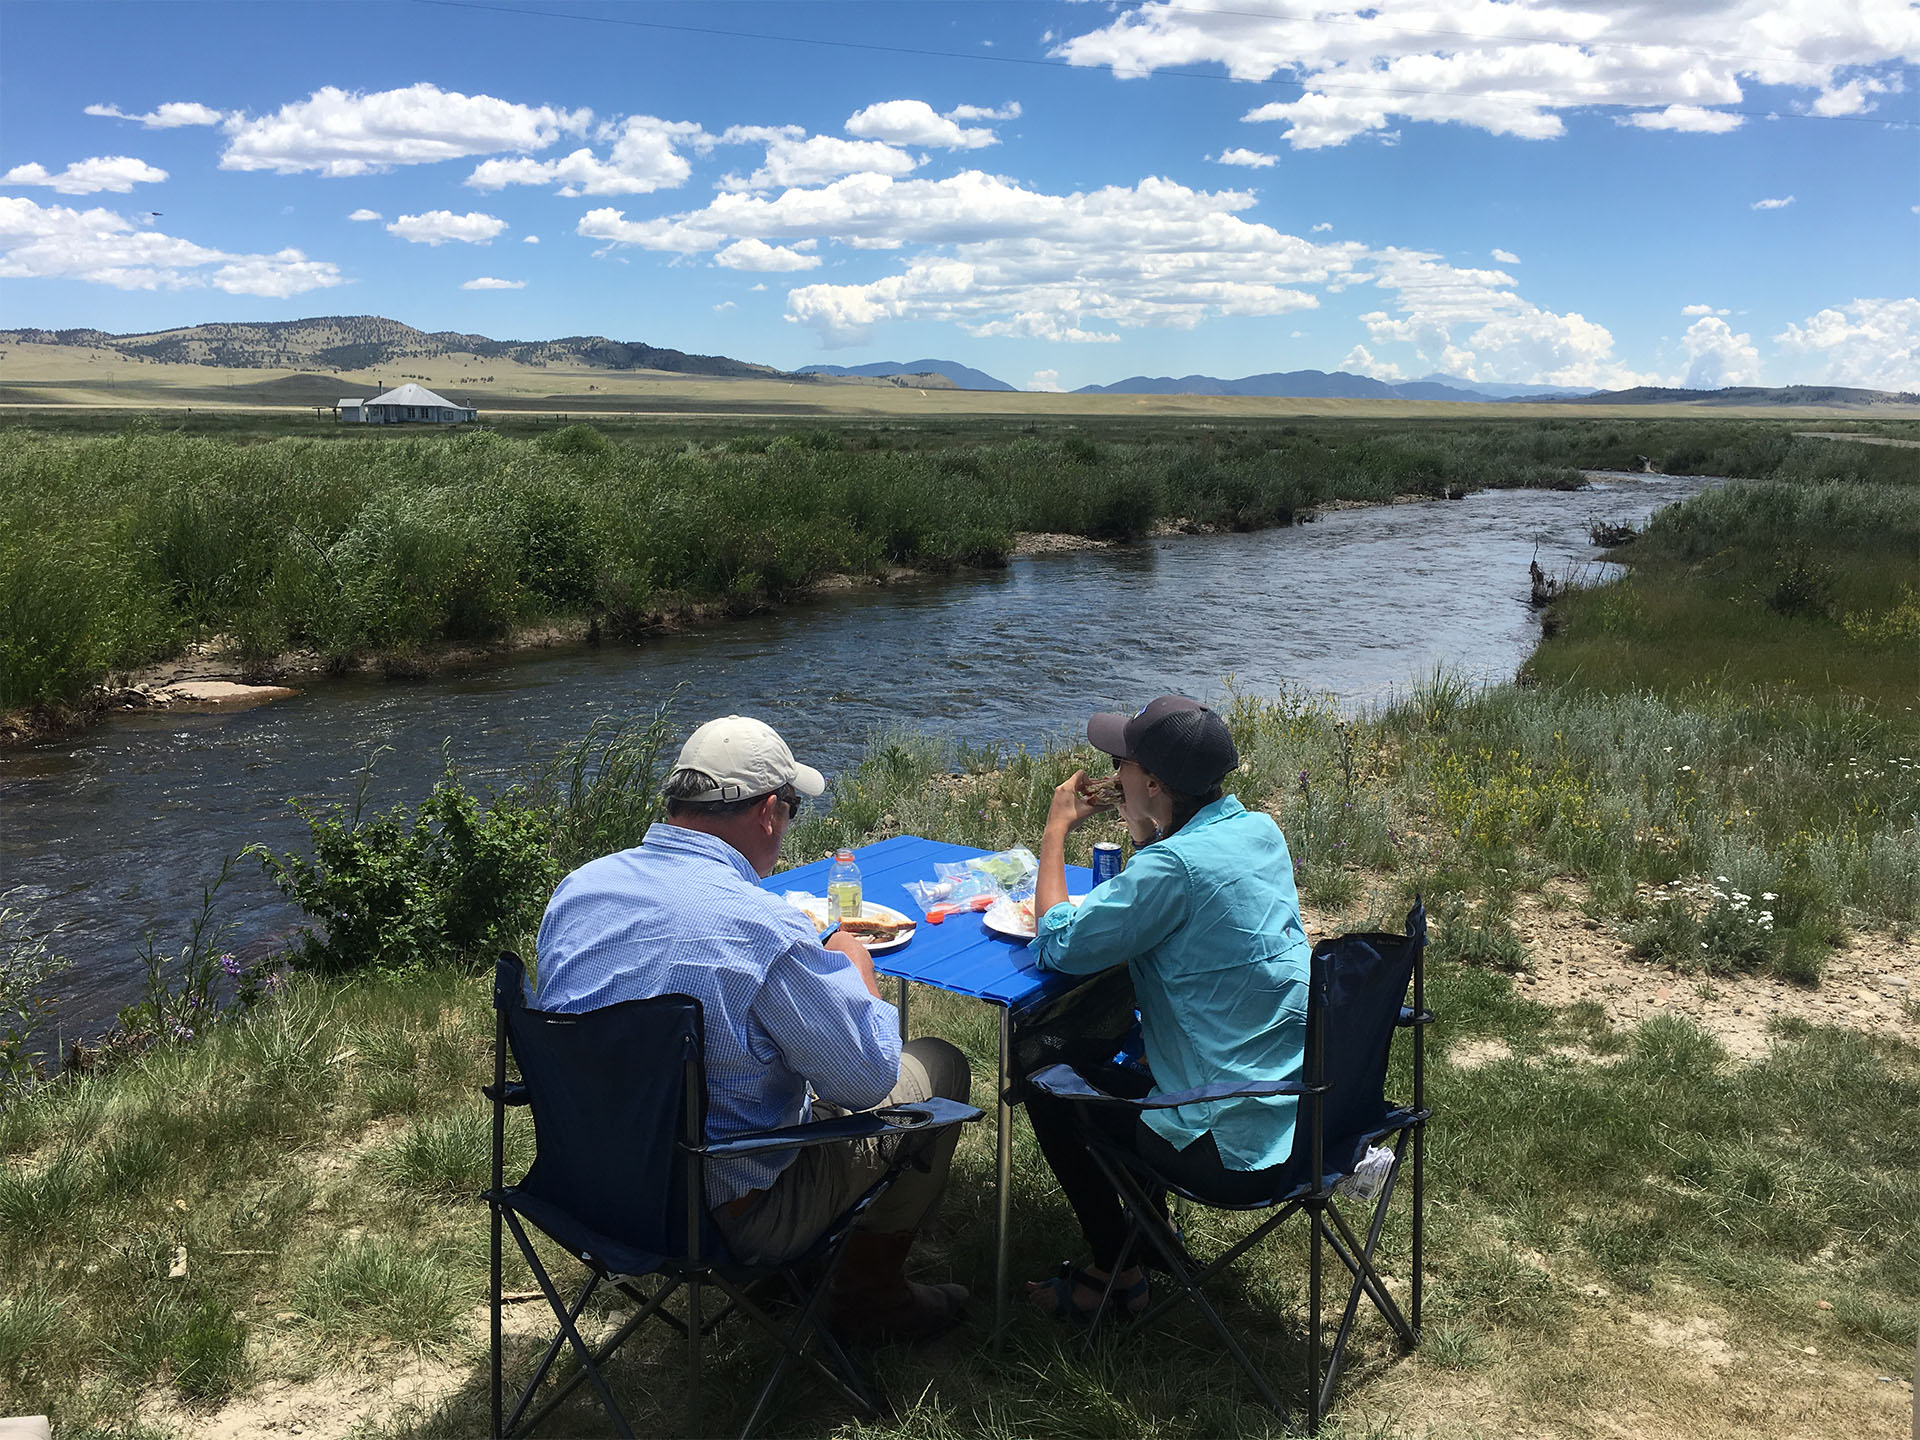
[[1049, 64]]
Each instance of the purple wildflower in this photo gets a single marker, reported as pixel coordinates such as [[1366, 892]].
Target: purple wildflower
[[230, 963]]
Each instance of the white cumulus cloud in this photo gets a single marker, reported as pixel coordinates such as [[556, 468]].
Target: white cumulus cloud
[[437, 227], [1475, 325], [365, 214], [119, 173], [1045, 382], [795, 159], [755, 254], [490, 282], [1505, 257], [529, 239], [1323, 227], [645, 157], [1773, 202], [169, 116], [102, 247], [1690, 119], [1513, 68], [999, 259], [914, 122], [1008, 111], [340, 132], [1360, 361], [1717, 357], [1252, 159], [1874, 344], [1693, 310]]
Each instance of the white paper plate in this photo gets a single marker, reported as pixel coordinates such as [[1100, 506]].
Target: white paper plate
[[1014, 918], [815, 908]]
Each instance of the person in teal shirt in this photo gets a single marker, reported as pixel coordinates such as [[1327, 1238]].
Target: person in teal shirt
[[1207, 920]]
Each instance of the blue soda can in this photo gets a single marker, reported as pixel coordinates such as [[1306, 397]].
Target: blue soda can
[[1106, 861]]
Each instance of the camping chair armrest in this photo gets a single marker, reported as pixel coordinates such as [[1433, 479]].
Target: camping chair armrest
[[923, 1115], [1065, 1083], [1408, 1018], [516, 1093]]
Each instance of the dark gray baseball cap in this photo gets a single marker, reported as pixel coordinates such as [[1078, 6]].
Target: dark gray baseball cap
[[1179, 740]]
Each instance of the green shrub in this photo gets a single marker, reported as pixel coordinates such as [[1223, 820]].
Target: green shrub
[[445, 882]]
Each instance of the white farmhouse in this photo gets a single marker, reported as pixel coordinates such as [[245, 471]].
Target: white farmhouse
[[409, 402]]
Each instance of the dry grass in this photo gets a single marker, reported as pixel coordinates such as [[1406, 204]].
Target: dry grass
[[34, 375]]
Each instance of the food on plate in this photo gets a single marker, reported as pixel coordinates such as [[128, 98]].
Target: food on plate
[[1104, 792], [874, 929]]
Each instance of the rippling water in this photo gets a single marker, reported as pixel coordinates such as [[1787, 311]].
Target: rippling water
[[114, 832]]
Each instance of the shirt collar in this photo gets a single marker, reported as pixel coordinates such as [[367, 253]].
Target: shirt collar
[[1225, 808], [679, 840]]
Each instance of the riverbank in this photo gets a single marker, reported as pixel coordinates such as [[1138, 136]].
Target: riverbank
[[403, 553], [212, 674]]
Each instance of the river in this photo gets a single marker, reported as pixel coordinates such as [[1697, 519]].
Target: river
[[112, 833]]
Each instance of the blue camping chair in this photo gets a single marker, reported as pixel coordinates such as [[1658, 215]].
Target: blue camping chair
[[619, 1101], [1363, 990]]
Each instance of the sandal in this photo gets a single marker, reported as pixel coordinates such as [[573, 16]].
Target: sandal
[[1127, 1300]]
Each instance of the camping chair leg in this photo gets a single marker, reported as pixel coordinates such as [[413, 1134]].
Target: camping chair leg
[[567, 1331], [1124, 1181], [496, 1432], [648, 1310], [694, 1332], [793, 1346], [1419, 1218], [1363, 1267], [1313, 1323]]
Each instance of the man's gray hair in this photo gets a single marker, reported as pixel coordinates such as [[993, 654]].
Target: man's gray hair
[[685, 787]]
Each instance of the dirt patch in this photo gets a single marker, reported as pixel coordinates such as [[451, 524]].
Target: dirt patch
[[1871, 983], [324, 1405], [1628, 1372], [1866, 985]]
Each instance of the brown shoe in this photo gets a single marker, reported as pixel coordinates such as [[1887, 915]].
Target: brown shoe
[[873, 1302]]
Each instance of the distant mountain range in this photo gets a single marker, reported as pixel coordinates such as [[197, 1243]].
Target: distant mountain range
[[964, 377], [359, 343], [1321, 385], [1750, 395], [366, 342]]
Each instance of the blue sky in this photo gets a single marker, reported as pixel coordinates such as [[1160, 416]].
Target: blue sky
[[1569, 192]]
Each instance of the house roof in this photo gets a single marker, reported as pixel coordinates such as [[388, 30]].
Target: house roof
[[348, 404], [412, 394]]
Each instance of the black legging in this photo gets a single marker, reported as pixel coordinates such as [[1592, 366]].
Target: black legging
[[1062, 1128]]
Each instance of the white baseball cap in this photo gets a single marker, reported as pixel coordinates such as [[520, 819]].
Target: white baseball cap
[[746, 758]]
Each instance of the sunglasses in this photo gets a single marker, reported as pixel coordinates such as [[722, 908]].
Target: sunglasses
[[792, 799]]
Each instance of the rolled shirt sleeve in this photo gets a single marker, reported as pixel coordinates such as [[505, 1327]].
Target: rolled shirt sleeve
[[816, 1009]]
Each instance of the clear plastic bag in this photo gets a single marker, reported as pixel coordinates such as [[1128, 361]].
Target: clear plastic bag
[[1368, 1175], [1012, 870], [951, 893]]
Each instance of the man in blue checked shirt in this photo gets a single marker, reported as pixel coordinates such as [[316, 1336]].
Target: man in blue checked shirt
[[796, 1029]]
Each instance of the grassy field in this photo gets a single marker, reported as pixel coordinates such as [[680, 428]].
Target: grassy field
[[1631, 1231], [314, 1155]]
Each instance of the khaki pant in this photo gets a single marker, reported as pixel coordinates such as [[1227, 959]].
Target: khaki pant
[[823, 1180]]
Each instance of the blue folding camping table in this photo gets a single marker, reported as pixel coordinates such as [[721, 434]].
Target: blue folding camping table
[[962, 957]]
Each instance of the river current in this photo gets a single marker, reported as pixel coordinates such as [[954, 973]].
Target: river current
[[112, 833]]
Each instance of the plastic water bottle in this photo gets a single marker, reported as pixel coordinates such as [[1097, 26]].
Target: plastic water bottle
[[843, 888]]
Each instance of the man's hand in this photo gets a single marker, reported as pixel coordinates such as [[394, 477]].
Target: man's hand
[[846, 945]]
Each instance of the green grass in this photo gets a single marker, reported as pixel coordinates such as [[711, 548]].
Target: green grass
[[316, 1156], [119, 550]]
